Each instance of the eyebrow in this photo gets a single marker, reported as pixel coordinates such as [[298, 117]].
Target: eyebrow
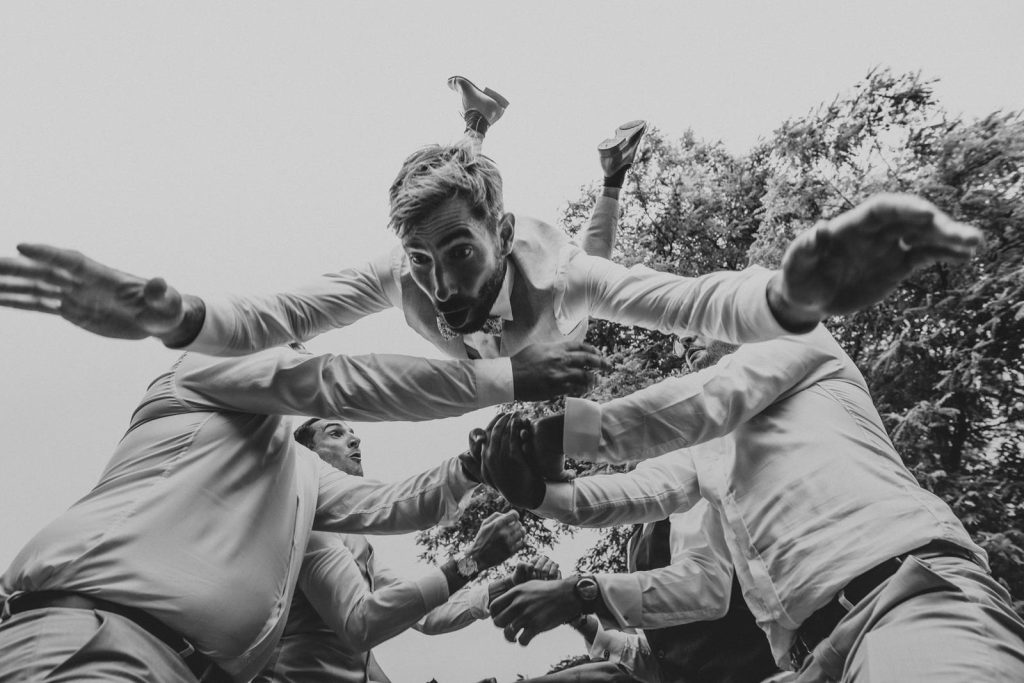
[[453, 236], [331, 424]]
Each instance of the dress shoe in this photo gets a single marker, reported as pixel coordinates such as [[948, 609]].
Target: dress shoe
[[490, 104], [616, 152]]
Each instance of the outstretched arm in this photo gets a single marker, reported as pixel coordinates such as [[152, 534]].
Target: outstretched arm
[[842, 265], [96, 297], [334, 586]]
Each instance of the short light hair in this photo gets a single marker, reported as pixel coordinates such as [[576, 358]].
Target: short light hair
[[437, 173]]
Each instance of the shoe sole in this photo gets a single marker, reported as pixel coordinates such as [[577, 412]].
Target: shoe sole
[[624, 136]]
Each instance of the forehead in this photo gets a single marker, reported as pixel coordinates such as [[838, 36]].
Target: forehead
[[450, 222]]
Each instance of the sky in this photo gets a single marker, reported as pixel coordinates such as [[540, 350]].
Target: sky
[[248, 146]]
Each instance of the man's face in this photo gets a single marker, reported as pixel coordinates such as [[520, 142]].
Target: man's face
[[459, 262], [701, 352], [338, 446]]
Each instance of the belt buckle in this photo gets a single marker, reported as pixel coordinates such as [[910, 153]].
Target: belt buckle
[[188, 650]]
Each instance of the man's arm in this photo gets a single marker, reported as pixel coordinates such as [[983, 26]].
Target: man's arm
[[117, 304], [331, 580], [680, 412], [471, 602], [842, 265], [695, 587], [371, 388]]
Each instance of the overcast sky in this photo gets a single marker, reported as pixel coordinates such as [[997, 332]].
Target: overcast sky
[[240, 147]]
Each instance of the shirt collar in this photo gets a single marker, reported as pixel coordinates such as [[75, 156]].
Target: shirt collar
[[503, 303]]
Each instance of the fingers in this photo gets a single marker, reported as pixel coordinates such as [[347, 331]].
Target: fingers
[[30, 303], [477, 439], [68, 259], [33, 270], [510, 633]]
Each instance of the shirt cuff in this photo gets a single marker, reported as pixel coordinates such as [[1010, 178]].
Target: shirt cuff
[[478, 601], [581, 435], [606, 646], [753, 297], [622, 595], [493, 381], [216, 331], [433, 587], [458, 492], [557, 503]]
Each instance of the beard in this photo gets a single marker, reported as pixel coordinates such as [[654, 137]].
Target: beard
[[481, 308], [701, 358]]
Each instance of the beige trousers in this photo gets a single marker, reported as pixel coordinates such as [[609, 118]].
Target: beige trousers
[[61, 644], [936, 620]]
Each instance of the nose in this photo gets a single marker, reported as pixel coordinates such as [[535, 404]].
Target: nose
[[444, 283], [354, 441]]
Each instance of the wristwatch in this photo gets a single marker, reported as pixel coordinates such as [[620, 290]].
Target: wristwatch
[[466, 565], [588, 592]]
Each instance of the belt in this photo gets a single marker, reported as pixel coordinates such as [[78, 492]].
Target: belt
[[820, 624], [204, 668]]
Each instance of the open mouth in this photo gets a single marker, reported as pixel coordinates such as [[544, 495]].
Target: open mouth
[[456, 318], [357, 456]]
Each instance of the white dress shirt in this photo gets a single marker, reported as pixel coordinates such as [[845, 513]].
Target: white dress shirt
[[731, 306], [811, 492], [348, 602], [202, 516]]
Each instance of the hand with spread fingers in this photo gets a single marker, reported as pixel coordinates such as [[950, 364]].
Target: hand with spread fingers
[[96, 297], [505, 464], [857, 258], [529, 609], [542, 371]]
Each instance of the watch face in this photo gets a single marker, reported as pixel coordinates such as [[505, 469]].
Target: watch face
[[587, 589], [466, 566]]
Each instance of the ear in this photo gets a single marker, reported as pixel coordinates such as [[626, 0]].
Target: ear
[[506, 233]]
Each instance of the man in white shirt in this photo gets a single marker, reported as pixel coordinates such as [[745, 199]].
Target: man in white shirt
[[181, 562], [348, 601], [478, 282], [854, 571]]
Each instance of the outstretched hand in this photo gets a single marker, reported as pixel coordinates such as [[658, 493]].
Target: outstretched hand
[[89, 294], [857, 258], [543, 371], [505, 463]]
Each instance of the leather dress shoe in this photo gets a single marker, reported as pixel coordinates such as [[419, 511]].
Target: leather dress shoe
[[490, 104], [616, 152]]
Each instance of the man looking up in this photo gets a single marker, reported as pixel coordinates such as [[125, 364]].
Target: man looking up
[[180, 564], [348, 601]]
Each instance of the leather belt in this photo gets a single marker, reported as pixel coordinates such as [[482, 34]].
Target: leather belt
[[204, 668], [819, 625]]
